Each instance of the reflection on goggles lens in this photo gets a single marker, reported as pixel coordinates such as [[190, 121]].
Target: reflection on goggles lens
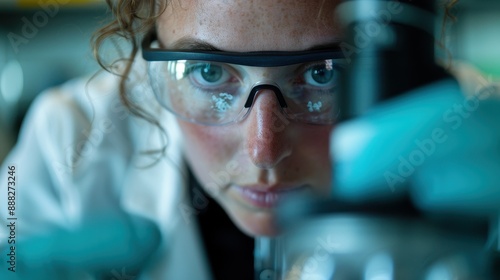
[[214, 93]]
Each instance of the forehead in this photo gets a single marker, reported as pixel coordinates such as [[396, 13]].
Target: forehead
[[250, 25]]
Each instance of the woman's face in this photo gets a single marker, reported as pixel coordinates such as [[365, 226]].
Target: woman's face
[[250, 165]]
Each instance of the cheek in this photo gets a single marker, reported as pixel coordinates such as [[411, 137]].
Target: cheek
[[316, 143], [207, 149], [314, 155]]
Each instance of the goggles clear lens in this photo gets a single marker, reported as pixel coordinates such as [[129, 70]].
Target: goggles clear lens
[[215, 93]]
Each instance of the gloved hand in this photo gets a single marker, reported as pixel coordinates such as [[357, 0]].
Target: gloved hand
[[106, 247], [434, 143]]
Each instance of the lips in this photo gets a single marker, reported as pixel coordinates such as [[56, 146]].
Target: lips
[[266, 198]]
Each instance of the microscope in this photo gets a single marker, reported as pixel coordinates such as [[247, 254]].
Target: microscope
[[390, 50]]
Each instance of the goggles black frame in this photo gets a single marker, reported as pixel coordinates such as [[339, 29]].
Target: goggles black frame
[[258, 58]]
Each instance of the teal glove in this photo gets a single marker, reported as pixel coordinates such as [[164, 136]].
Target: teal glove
[[437, 145], [113, 247]]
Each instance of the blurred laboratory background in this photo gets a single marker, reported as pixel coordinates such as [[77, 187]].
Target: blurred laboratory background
[[43, 43], [58, 48]]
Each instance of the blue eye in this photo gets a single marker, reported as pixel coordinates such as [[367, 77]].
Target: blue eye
[[320, 75], [209, 74]]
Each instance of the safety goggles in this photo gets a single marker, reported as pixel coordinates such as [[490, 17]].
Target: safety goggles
[[219, 88]]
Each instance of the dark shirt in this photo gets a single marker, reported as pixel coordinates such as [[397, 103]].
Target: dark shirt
[[229, 251]]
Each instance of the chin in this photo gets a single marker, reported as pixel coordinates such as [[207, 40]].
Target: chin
[[255, 223]]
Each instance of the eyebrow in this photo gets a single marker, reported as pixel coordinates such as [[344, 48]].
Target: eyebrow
[[192, 44]]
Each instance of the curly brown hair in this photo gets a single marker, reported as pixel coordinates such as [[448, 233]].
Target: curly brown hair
[[132, 19]]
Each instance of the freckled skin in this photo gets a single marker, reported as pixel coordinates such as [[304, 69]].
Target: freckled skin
[[262, 149]]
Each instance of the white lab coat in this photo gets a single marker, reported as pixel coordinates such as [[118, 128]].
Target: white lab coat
[[80, 150]]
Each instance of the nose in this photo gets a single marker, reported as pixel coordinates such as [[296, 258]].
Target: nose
[[266, 133]]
